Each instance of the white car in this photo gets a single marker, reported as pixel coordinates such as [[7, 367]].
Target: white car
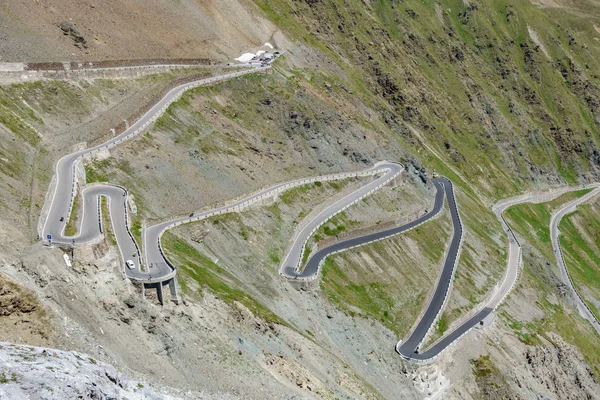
[[130, 264]]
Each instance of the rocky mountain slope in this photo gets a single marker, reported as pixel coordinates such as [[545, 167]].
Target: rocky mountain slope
[[500, 96], [124, 30], [34, 372]]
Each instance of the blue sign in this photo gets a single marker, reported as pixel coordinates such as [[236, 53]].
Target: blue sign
[[49, 237]]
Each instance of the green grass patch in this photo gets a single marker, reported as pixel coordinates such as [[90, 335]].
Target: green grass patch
[[384, 296], [482, 366], [295, 194], [96, 171], [71, 227], [532, 221], [442, 324], [106, 223], [210, 276], [579, 239]]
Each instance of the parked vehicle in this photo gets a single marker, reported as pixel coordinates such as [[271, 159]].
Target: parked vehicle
[[130, 264], [191, 215]]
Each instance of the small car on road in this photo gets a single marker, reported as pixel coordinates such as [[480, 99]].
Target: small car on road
[[130, 264]]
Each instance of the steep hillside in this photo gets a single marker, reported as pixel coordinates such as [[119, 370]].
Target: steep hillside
[[501, 92], [90, 30], [500, 96], [580, 237], [553, 301]]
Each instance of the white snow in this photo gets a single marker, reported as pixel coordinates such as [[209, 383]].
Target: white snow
[[249, 56], [245, 57]]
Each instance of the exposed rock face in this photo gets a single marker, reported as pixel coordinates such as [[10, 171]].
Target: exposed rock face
[[562, 371], [28, 372], [71, 30], [12, 302]]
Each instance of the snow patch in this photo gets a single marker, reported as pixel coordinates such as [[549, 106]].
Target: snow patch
[[245, 57]]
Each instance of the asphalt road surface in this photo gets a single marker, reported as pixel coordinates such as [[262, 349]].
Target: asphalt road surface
[[568, 208], [293, 257], [159, 265], [65, 186], [159, 268], [409, 348], [315, 262]]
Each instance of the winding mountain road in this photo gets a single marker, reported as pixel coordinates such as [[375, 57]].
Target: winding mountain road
[[568, 208], [65, 187], [158, 268], [293, 259], [291, 266], [501, 291], [156, 259]]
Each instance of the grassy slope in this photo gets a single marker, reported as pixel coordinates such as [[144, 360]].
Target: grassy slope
[[580, 236], [208, 275], [489, 108], [472, 80], [531, 222], [40, 120], [258, 241], [388, 281]]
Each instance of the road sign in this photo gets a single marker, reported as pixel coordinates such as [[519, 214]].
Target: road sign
[[49, 237]]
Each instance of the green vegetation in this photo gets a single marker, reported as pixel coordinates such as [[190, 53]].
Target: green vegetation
[[305, 255], [482, 366], [531, 221], [528, 333], [208, 275], [18, 126], [136, 231], [4, 378], [96, 171], [579, 239], [442, 324], [335, 231], [73, 221], [136, 228], [294, 194], [274, 255], [392, 295], [489, 379], [334, 226], [106, 224]]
